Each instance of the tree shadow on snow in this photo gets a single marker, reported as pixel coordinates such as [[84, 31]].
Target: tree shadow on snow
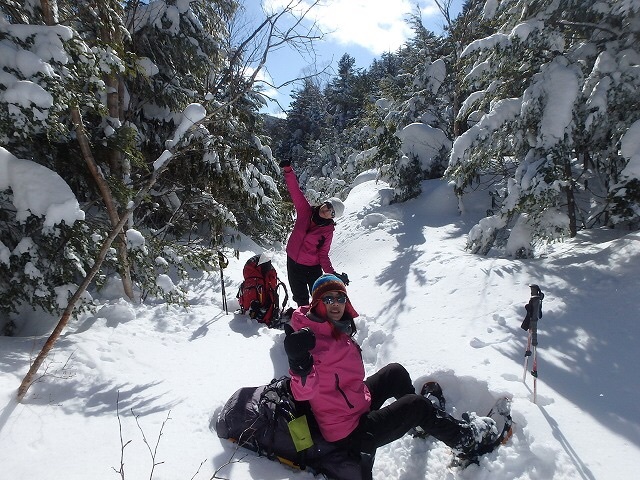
[[75, 396], [203, 329], [410, 235], [588, 342]]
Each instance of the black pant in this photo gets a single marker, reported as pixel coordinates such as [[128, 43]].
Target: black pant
[[384, 425], [301, 280]]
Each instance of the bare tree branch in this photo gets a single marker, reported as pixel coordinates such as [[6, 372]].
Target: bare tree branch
[[250, 55], [153, 452], [123, 445]]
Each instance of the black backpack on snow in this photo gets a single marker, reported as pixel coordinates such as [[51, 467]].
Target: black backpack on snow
[[257, 418]]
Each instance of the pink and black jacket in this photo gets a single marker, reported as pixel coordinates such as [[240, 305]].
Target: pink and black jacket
[[335, 386], [309, 242]]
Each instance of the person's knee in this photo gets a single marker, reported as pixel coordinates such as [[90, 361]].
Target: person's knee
[[401, 378], [398, 369]]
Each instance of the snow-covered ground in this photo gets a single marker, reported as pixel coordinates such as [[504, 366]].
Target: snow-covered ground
[[129, 372]]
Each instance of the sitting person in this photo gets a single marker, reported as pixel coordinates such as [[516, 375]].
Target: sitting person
[[326, 369]]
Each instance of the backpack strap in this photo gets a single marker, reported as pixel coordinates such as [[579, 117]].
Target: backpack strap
[[291, 410], [277, 322], [286, 294], [284, 406]]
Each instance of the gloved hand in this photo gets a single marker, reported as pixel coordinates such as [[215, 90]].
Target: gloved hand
[[284, 163], [297, 346], [343, 277]]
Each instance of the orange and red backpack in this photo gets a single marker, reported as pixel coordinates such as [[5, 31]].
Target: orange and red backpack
[[258, 294]]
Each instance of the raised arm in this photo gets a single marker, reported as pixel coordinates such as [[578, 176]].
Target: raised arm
[[300, 202]]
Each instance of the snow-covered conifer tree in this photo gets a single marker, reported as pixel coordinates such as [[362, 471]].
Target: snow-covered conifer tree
[[539, 95]]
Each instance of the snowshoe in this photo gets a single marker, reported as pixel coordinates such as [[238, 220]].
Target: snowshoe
[[488, 433], [501, 413]]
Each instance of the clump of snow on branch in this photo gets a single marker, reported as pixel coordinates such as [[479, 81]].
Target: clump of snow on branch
[[38, 191], [630, 149], [423, 142], [191, 115]]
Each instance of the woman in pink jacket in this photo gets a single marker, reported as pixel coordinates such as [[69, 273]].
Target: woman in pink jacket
[[310, 241], [326, 368]]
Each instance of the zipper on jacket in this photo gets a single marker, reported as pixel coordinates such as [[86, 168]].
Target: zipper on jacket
[[344, 395]]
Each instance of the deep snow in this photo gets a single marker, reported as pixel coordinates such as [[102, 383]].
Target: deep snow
[[423, 301]]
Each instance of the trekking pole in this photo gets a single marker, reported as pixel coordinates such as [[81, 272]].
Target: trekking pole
[[530, 323], [223, 262], [527, 354]]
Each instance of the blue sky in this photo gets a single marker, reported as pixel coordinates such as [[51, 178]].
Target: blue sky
[[362, 28]]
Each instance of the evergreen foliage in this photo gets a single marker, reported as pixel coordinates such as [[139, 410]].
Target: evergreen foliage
[[538, 98], [546, 120], [305, 123], [130, 69], [533, 102], [44, 263], [345, 94]]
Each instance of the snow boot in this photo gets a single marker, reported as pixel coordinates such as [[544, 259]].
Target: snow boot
[[433, 392]]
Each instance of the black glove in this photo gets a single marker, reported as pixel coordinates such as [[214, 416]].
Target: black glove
[[285, 163], [297, 345], [343, 277]]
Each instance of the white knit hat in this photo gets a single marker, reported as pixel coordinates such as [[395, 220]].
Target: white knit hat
[[337, 205]]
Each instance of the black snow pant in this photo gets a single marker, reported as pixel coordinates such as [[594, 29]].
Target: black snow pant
[[301, 280], [384, 425]]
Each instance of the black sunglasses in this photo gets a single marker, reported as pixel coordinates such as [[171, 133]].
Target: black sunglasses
[[330, 300]]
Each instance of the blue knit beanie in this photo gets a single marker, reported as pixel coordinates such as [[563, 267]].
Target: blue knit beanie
[[326, 283]]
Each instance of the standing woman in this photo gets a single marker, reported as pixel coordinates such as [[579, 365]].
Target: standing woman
[[310, 241]]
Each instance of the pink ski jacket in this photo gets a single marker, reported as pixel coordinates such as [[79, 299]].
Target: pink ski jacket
[[335, 387], [309, 243]]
